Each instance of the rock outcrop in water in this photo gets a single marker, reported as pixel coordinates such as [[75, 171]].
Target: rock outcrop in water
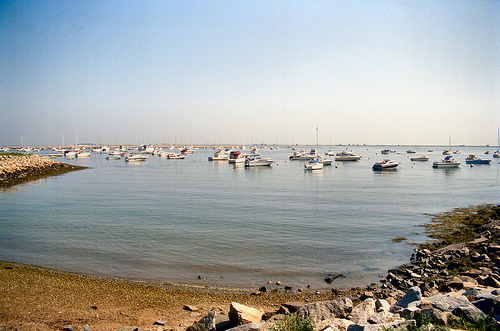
[[15, 169]]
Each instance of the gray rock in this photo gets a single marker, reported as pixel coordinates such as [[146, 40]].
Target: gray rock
[[318, 311], [490, 306], [86, 327], [240, 314], [128, 328], [469, 313], [449, 302], [207, 323], [412, 297]]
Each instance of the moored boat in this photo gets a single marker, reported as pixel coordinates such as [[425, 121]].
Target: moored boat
[[420, 158], [236, 157], [303, 155], [219, 155], [347, 156], [314, 164], [136, 158], [447, 162], [385, 165], [176, 156], [81, 154], [255, 160], [114, 155], [474, 159], [187, 151]]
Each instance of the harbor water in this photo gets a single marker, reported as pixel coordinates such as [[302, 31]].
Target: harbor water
[[207, 223]]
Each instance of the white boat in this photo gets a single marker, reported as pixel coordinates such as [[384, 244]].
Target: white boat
[[136, 158], [330, 153], [410, 151], [187, 151], [303, 155], [255, 160], [347, 156], [115, 155], [56, 155], [326, 161], [70, 154], [314, 164], [385, 165], [237, 157], [81, 154], [148, 149], [176, 156], [447, 162], [447, 152], [457, 152], [219, 155], [420, 158]]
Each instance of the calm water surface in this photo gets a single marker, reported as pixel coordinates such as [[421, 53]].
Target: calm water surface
[[174, 220]]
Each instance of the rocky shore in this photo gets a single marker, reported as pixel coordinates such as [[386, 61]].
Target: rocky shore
[[18, 168], [452, 282]]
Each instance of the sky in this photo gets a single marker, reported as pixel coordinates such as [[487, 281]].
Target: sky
[[250, 72]]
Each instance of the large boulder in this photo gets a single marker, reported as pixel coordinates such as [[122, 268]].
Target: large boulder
[[322, 310], [412, 297], [240, 314]]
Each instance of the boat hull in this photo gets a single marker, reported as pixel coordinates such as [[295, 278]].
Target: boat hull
[[477, 161], [437, 165]]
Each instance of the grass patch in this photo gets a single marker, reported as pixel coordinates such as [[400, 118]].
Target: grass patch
[[294, 323]]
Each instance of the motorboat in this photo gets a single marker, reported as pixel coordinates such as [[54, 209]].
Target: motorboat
[[81, 154], [457, 152], [420, 158], [330, 153], [148, 149], [347, 156], [236, 157], [474, 159], [410, 151], [447, 162], [303, 155], [496, 154], [187, 151], [255, 160], [447, 152], [326, 161], [314, 164], [385, 165], [219, 155], [386, 151], [176, 156], [114, 155], [70, 154], [55, 155], [136, 158]]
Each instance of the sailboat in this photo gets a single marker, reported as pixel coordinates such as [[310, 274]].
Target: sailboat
[[448, 151], [496, 155], [315, 163]]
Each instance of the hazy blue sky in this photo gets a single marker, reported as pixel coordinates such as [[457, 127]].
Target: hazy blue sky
[[374, 72]]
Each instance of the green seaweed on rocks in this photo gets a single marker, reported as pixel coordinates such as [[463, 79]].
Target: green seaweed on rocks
[[458, 225]]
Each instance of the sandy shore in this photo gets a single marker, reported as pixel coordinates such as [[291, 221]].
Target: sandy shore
[[36, 298]]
